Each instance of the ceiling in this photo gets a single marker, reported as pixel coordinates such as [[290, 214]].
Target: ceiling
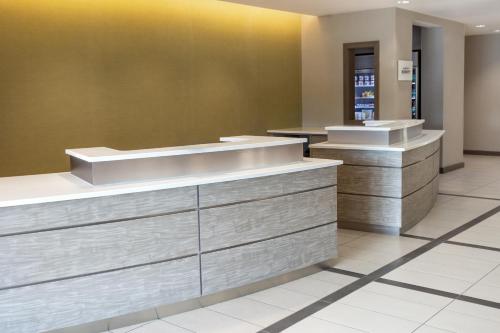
[[470, 12]]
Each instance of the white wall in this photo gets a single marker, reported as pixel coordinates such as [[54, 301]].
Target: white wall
[[322, 63], [482, 93], [453, 77], [322, 68]]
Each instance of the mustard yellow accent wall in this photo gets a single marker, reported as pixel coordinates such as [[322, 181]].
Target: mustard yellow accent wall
[[131, 74]]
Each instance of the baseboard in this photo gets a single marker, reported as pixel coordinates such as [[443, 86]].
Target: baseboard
[[452, 167], [482, 152]]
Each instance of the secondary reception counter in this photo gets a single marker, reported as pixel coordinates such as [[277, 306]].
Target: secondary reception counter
[[74, 253], [312, 134], [389, 179]]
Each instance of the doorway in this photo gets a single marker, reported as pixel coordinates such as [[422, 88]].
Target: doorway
[[361, 82]]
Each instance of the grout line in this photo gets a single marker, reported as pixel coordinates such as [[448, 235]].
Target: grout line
[[340, 324], [417, 237], [434, 315], [289, 321], [345, 272], [475, 283]]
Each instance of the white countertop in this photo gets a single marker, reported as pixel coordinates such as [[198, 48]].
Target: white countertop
[[379, 125], [427, 137], [103, 154], [25, 190], [300, 131]]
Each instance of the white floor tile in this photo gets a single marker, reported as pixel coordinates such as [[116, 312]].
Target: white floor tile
[[159, 326], [452, 266], [251, 311], [470, 205], [463, 323], [493, 278], [315, 325], [481, 235], [475, 310], [408, 295], [369, 253], [365, 320], [345, 235], [469, 252], [484, 291], [311, 287], [390, 306], [128, 328], [356, 265], [330, 277], [283, 298], [429, 280], [208, 321], [429, 329]]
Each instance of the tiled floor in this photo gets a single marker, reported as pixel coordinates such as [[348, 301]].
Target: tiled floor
[[413, 301]]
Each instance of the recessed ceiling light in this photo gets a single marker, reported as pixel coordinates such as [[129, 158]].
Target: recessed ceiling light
[[403, 2], [480, 26], [498, 30]]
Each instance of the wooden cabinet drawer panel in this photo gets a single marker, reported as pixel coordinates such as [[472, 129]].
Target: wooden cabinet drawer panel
[[252, 221], [63, 253], [246, 264], [26, 218], [264, 187], [71, 302]]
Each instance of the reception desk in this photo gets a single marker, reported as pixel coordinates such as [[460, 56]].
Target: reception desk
[[75, 253], [389, 179]]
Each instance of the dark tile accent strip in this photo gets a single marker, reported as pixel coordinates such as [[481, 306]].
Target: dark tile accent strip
[[469, 196], [437, 292], [345, 272], [377, 274], [479, 301], [476, 246], [418, 288], [427, 290], [416, 237], [452, 167], [482, 152]]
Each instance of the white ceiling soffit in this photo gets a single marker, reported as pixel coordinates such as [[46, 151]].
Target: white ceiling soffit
[[470, 12]]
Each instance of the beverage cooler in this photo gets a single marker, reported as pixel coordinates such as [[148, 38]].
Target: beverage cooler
[[364, 94]]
